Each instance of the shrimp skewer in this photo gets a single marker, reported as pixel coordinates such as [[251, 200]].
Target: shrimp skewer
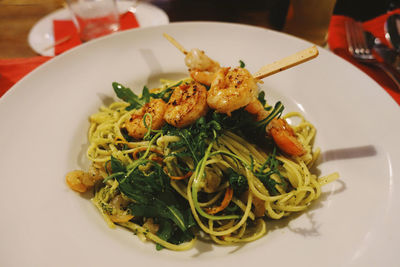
[[231, 89], [207, 64], [201, 68]]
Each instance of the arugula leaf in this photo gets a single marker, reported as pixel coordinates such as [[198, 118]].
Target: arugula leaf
[[238, 182], [269, 183], [166, 93], [194, 138], [127, 95], [165, 231], [154, 197], [116, 165], [275, 113], [158, 209], [261, 98], [169, 233], [265, 177]]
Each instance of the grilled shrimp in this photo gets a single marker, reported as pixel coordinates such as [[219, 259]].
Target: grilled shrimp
[[81, 181], [188, 102], [282, 133], [201, 68], [285, 137], [256, 108], [231, 89], [135, 125]]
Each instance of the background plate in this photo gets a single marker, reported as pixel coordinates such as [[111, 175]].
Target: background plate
[[44, 123], [41, 35]]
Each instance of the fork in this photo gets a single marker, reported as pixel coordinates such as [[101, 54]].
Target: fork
[[359, 49]]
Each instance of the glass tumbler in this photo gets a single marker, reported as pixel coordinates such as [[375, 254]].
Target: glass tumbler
[[309, 19], [94, 18]]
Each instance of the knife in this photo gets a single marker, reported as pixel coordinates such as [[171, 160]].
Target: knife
[[388, 55]]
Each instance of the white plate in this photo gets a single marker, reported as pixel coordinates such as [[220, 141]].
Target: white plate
[[41, 35], [44, 121]]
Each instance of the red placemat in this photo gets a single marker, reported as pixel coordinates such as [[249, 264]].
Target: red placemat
[[12, 70], [338, 44]]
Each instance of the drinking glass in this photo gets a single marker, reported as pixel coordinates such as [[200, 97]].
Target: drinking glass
[[94, 18], [309, 19]]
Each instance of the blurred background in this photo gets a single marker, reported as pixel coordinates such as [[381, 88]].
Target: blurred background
[[307, 19]]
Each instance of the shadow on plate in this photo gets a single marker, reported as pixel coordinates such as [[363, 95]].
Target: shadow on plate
[[156, 71], [348, 153]]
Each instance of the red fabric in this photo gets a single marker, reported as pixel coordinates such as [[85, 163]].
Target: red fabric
[[63, 29], [12, 70], [338, 44]]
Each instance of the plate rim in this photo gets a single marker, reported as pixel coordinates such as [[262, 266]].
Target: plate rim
[[99, 40]]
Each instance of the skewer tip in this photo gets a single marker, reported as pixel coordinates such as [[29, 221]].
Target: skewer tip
[[175, 43]]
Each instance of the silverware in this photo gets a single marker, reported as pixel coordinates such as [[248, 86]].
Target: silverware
[[392, 31], [386, 53], [358, 48]]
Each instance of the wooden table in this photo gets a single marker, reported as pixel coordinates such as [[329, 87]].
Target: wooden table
[[18, 16]]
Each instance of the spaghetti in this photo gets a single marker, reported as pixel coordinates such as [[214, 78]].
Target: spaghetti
[[218, 176]]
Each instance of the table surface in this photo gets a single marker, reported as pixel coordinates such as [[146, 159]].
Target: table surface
[[17, 17]]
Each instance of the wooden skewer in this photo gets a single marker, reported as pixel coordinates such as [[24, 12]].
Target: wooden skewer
[[272, 68], [175, 43], [287, 62]]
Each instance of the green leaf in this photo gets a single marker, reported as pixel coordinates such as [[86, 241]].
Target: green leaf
[[275, 113], [238, 182], [265, 177], [165, 232], [242, 65], [141, 210], [159, 209], [261, 98], [145, 95], [190, 221], [176, 216], [116, 165], [127, 95]]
